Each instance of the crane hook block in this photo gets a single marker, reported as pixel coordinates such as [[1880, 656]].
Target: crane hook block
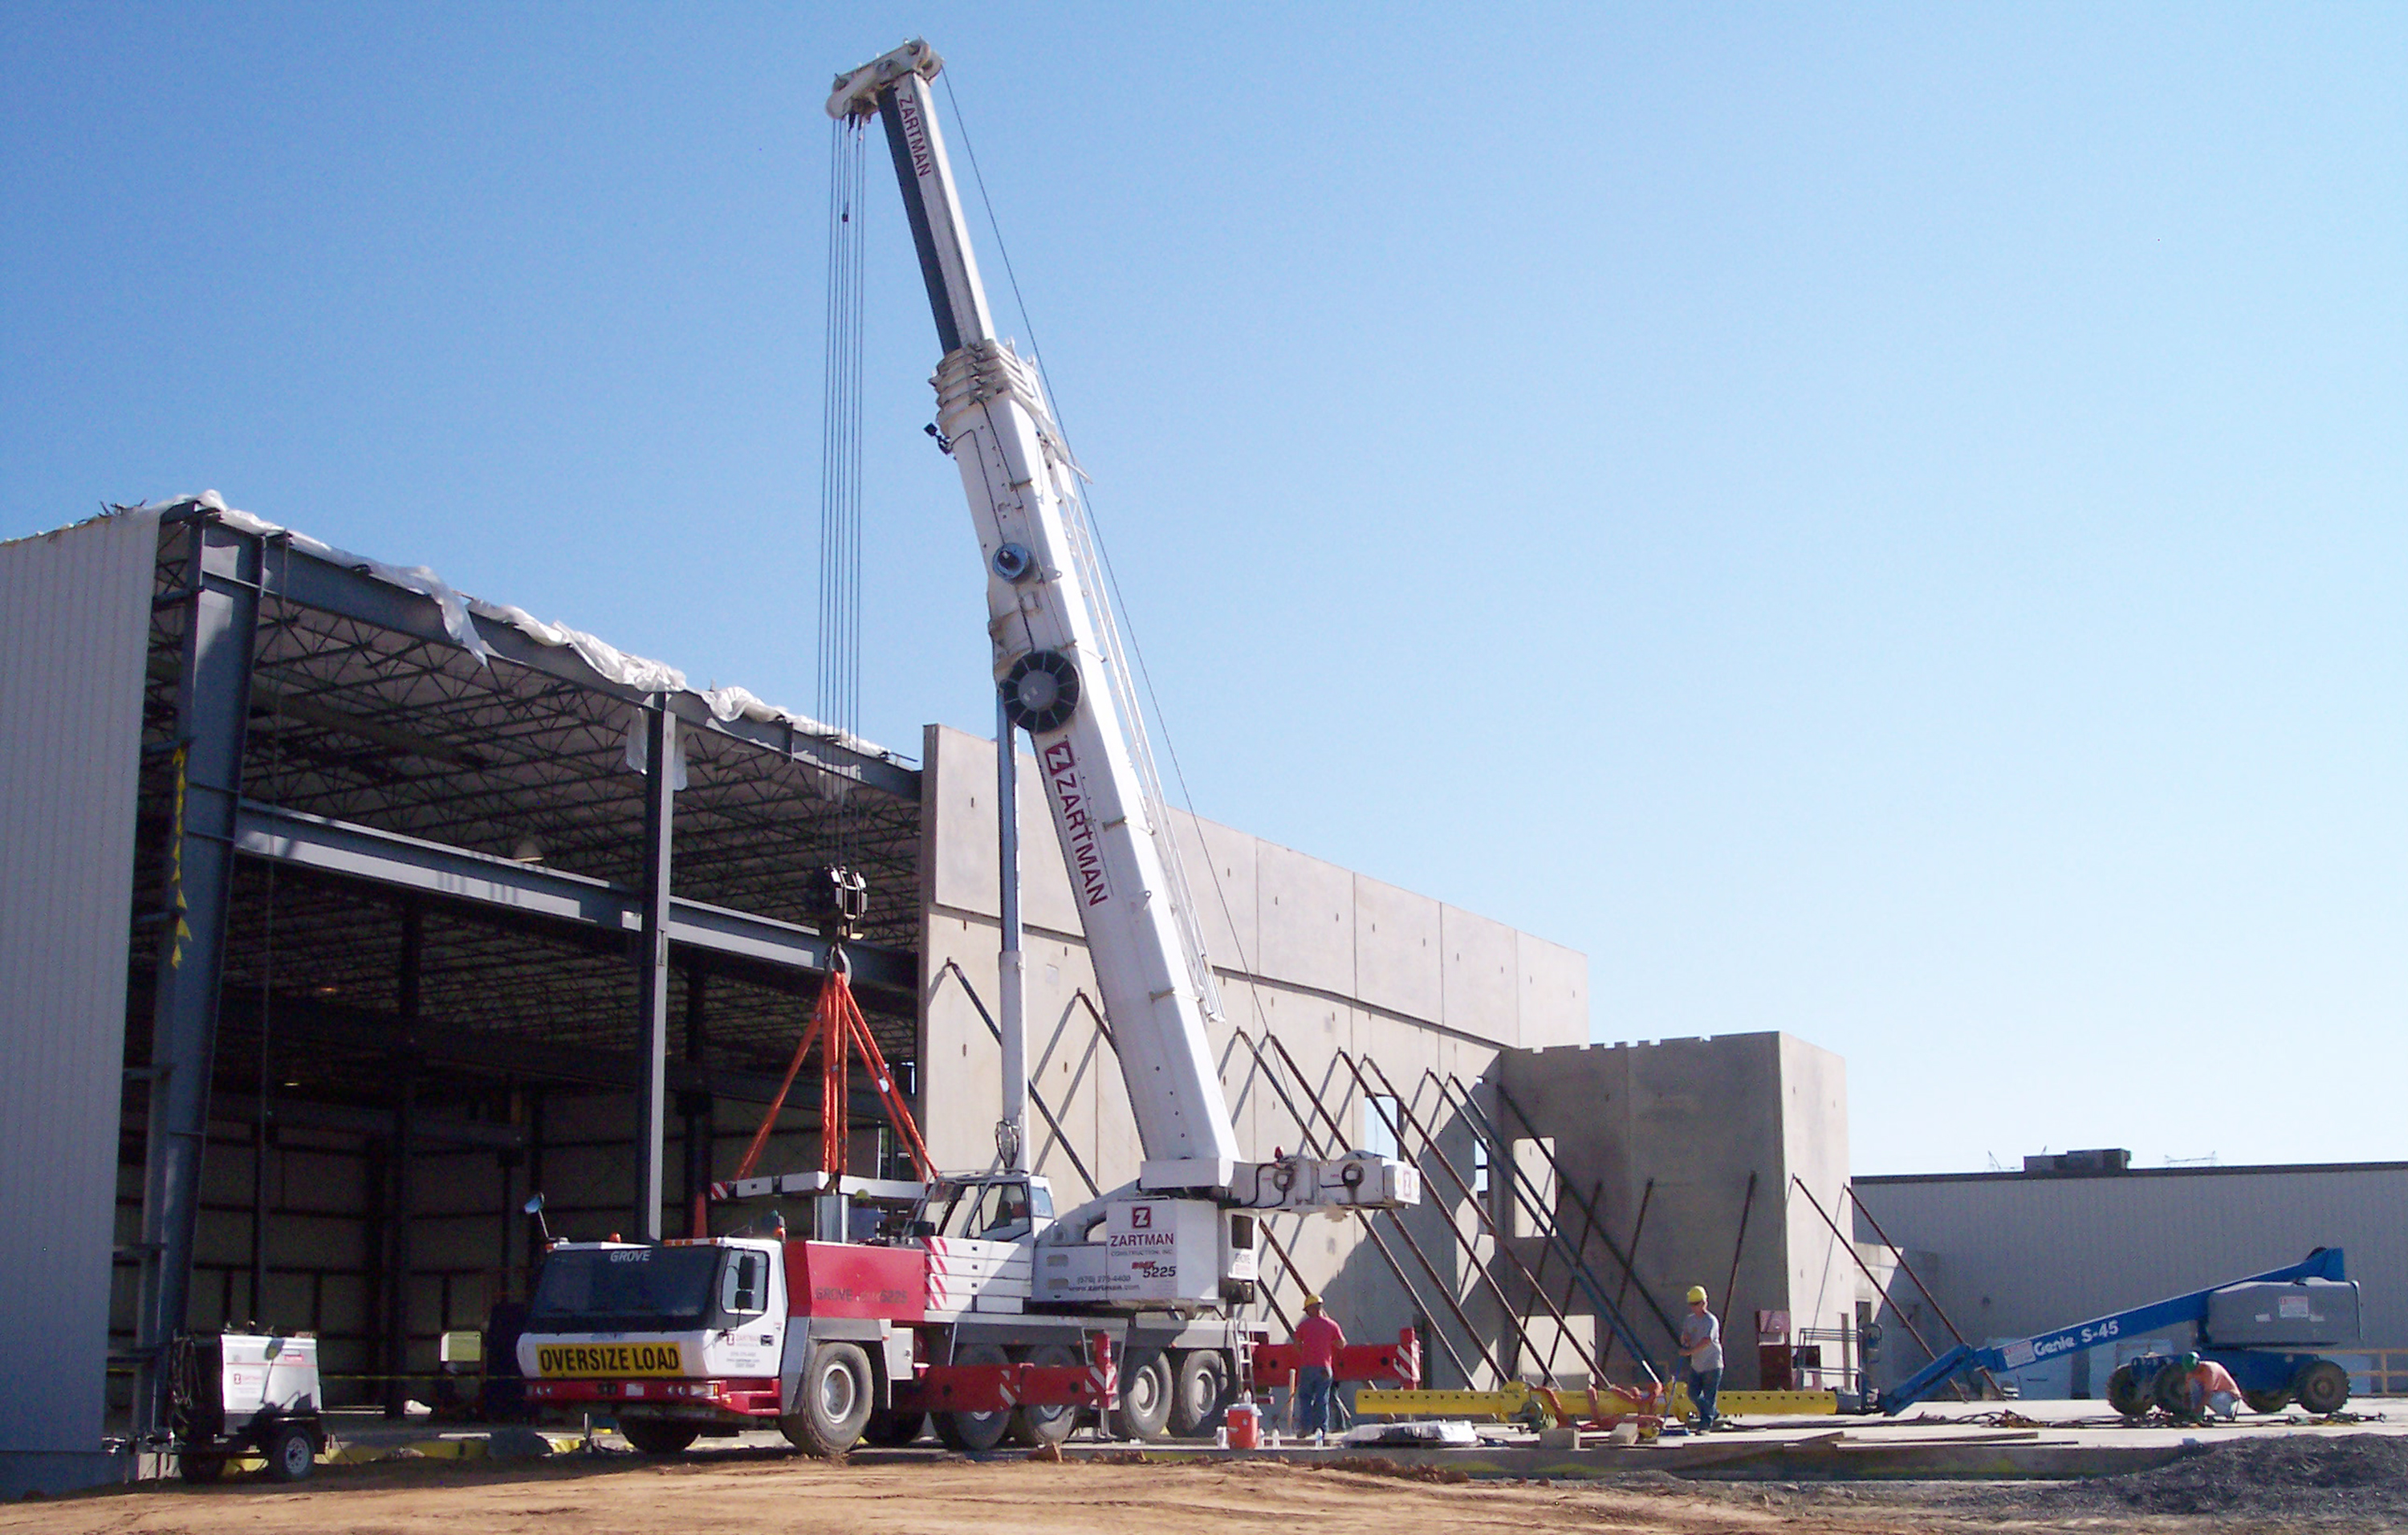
[[1040, 693]]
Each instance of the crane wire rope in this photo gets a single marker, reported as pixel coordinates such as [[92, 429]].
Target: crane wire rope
[[1089, 548], [1114, 598], [840, 469]]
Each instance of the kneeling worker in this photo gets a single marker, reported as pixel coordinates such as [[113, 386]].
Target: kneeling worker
[[2209, 1388]]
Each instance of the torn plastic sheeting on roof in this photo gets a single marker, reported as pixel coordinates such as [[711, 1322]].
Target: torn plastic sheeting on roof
[[608, 660]]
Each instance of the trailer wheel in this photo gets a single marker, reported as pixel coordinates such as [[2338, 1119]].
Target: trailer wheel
[[971, 1432], [2124, 1393], [1145, 1395], [652, 1437], [2267, 1401], [1034, 1424], [200, 1469], [2322, 1387], [891, 1430], [290, 1453], [836, 1393], [1199, 1393]]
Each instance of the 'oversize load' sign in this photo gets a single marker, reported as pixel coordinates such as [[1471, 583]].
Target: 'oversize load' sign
[[609, 1359]]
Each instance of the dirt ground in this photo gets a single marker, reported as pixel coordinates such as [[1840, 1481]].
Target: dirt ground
[[2359, 1482]]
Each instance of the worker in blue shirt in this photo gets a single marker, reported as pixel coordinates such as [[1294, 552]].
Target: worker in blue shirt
[[1701, 1348]]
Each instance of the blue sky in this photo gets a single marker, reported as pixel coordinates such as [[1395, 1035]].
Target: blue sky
[[1883, 522]]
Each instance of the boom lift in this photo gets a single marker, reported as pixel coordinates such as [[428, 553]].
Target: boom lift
[[2256, 1327], [968, 1298]]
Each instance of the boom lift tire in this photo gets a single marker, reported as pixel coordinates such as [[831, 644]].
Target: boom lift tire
[[2125, 1395], [651, 1435], [2321, 1388], [836, 1393], [2268, 1401], [1145, 1396], [2167, 1389], [971, 1432], [292, 1454], [1199, 1393], [1033, 1426], [891, 1430]]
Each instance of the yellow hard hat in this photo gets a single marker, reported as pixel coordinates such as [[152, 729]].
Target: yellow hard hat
[[1697, 1293], [1312, 1300]]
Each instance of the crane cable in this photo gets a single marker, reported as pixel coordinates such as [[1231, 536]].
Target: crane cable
[[841, 470], [1103, 554]]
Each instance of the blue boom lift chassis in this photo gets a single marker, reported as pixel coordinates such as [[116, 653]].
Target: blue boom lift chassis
[[2255, 1330]]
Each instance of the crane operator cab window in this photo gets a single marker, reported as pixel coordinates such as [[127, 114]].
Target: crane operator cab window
[[998, 1210], [744, 1283]]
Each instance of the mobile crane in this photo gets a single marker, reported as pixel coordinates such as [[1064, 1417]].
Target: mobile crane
[[972, 1300]]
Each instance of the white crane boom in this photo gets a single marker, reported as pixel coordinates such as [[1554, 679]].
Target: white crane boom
[[1063, 679]]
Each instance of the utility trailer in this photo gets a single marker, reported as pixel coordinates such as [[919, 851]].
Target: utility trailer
[[2257, 1328], [238, 1393]]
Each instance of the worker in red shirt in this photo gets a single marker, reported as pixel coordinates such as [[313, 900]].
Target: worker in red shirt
[[1317, 1341], [2209, 1388]]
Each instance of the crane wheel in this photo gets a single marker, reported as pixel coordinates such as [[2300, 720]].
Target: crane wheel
[[1199, 1393], [2268, 1401], [1145, 1395], [1033, 1426], [2321, 1388], [893, 1430], [835, 1397], [2124, 1393], [971, 1432], [651, 1437]]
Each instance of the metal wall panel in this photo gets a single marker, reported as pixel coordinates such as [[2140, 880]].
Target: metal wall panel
[[74, 610], [2009, 1254]]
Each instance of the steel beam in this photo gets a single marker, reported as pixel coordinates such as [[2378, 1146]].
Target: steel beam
[[550, 895], [312, 580], [212, 704], [652, 971]]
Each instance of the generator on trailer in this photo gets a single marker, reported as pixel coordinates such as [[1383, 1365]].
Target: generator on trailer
[[966, 1298]]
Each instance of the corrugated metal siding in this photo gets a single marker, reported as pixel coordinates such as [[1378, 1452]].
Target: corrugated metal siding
[[75, 612], [2013, 1255]]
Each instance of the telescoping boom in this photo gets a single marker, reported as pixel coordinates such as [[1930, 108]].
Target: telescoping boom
[[1064, 680]]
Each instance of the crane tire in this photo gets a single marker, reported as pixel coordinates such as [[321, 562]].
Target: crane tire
[[1145, 1395], [836, 1395], [2124, 1393], [1034, 1426], [2268, 1401], [891, 1430], [1199, 1392], [653, 1437], [971, 1432], [2322, 1387]]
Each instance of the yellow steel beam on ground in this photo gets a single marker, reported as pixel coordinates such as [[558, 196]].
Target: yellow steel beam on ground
[[1511, 1400], [1778, 1404]]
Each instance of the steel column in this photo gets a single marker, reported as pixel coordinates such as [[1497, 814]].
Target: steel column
[[212, 705], [696, 1103], [652, 971], [408, 977]]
